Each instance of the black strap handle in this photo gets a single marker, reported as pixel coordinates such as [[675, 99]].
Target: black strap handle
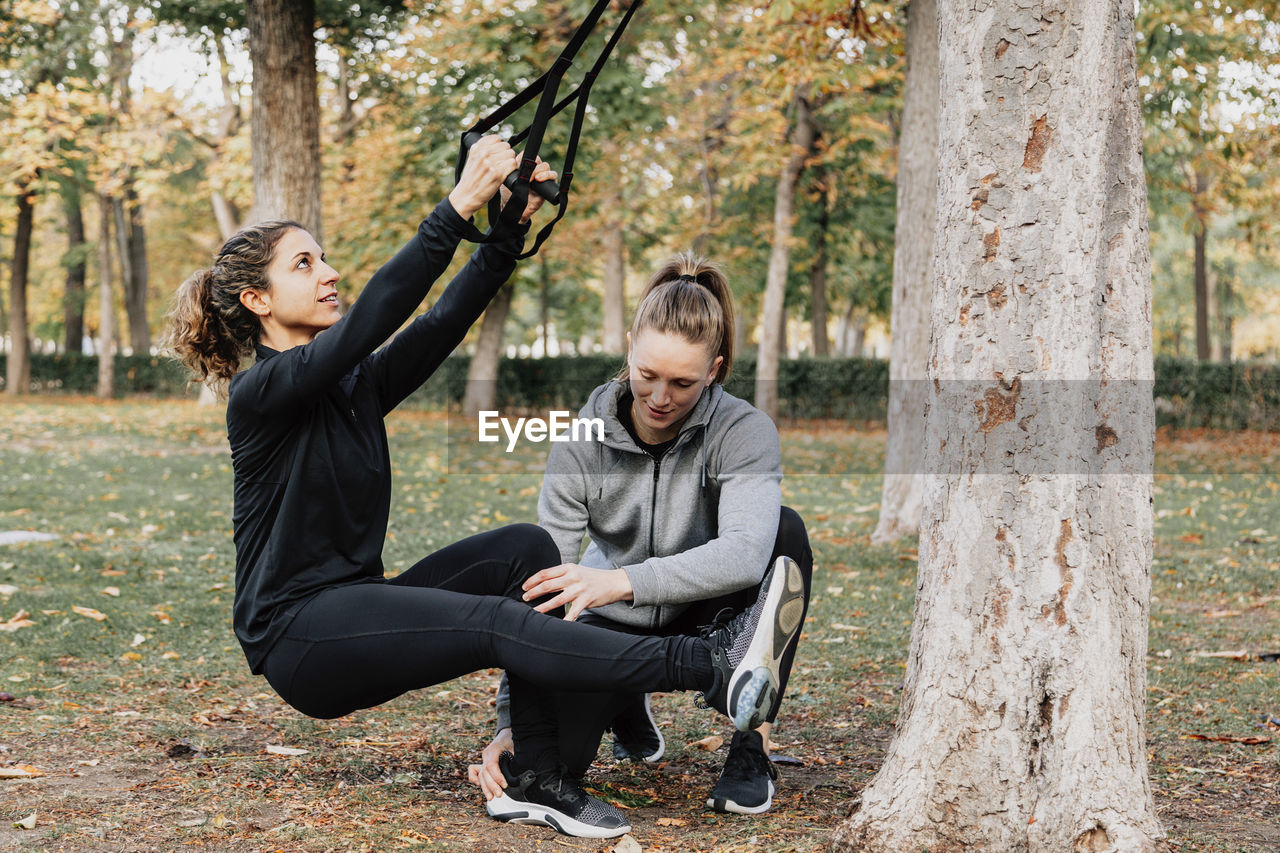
[[545, 89]]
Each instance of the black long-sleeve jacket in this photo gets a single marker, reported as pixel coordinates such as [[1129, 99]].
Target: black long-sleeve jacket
[[308, 443]]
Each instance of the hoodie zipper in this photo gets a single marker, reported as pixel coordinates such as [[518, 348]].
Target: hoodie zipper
[[653, 503]]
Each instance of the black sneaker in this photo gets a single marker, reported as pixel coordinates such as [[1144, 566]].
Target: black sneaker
[[747, 649], [746, 782], [552, 799], [635, 733]]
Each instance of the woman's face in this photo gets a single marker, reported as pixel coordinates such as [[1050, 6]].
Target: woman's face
[[667, 375], [303, 298]]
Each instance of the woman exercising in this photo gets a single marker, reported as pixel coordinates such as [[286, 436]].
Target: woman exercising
[[313, 611]]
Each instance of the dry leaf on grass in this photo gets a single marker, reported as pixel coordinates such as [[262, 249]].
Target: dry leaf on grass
[[1251, 740], [672, 821], [275, 749], [20, 771], [89, 612], [710, 743], [21, 619], [28, 822]]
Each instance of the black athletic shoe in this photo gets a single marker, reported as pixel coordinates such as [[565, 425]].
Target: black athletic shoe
[[636, 736], [746, 782], [553, 799], [747, 649]]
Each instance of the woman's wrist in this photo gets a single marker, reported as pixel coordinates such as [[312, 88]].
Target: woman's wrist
[[465, 207]]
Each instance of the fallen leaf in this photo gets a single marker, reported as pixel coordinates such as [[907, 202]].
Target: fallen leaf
[[200, 821], [1221, 614], [28, 822], [20, 771], [672, 821], [89, 612], [1192, 538], [710, 743], [7, 589], [626, 844], [1251, 740], [113, 591], [1238, 654], [275, 749], [21, 619], [138, 639]]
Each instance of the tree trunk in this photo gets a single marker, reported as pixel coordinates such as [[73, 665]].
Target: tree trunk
[[106, 307], [775, 287], [544, 303], [1200, 234], [286, 112], [818, 283], [18, 369], [73, 298], [615, 283], [1225, 334], [912, 282], [482, 373], [131, 243], [225, 210], [1021, 726]]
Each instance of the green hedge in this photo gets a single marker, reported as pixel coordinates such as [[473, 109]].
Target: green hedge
[[73, 373], [1238, 395], [1235, 395]]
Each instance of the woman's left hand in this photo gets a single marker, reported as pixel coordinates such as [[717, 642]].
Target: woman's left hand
[[577, 588], [541, 172]]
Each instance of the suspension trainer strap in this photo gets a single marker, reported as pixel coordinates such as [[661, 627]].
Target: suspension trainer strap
[[545, 88]]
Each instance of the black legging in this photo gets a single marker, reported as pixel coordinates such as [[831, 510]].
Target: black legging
[[583, 717], [457, 611]]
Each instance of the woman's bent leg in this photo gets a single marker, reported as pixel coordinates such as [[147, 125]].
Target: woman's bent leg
[[358, 646]]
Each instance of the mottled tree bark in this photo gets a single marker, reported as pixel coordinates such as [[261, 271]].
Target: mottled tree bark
[[818, 284], [285, 120], [614, 337], [18, 367], [912, 278], [106, 308], [1021, 726], [482, 373], [73, 298], [131, 243], [775, 287], [1200, 233]]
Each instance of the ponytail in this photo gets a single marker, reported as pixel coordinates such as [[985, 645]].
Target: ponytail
[[689, 296], [209, 329]]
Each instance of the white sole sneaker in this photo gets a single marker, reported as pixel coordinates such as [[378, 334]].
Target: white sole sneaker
[[731, 806], [510, 810], [753, 687]]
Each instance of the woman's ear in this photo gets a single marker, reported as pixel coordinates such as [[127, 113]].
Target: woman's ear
[[715, 369], [255, 301]]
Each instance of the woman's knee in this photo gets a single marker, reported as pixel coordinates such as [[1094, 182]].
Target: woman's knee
[[534, 544], [793, 539]]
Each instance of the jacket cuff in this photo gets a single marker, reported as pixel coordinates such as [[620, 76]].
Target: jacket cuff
[[645, 588]]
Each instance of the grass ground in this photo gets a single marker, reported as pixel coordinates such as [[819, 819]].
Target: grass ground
[[129, 694]]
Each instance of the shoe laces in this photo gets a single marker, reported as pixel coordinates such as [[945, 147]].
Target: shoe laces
[[558, 784], [746, 761]]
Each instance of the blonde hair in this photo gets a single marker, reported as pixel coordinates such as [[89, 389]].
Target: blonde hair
[[209, 329], [689, 296]]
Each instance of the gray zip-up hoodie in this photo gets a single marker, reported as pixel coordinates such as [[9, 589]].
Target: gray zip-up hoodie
[[696, 524]]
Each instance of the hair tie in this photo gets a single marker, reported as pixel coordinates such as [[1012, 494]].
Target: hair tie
[[687, 277]]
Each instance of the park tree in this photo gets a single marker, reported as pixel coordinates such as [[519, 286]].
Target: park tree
[[1202, 66], [1021, 723], [917, 187]]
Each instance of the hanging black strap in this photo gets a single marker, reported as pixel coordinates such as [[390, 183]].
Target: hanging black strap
[[545, 88]]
